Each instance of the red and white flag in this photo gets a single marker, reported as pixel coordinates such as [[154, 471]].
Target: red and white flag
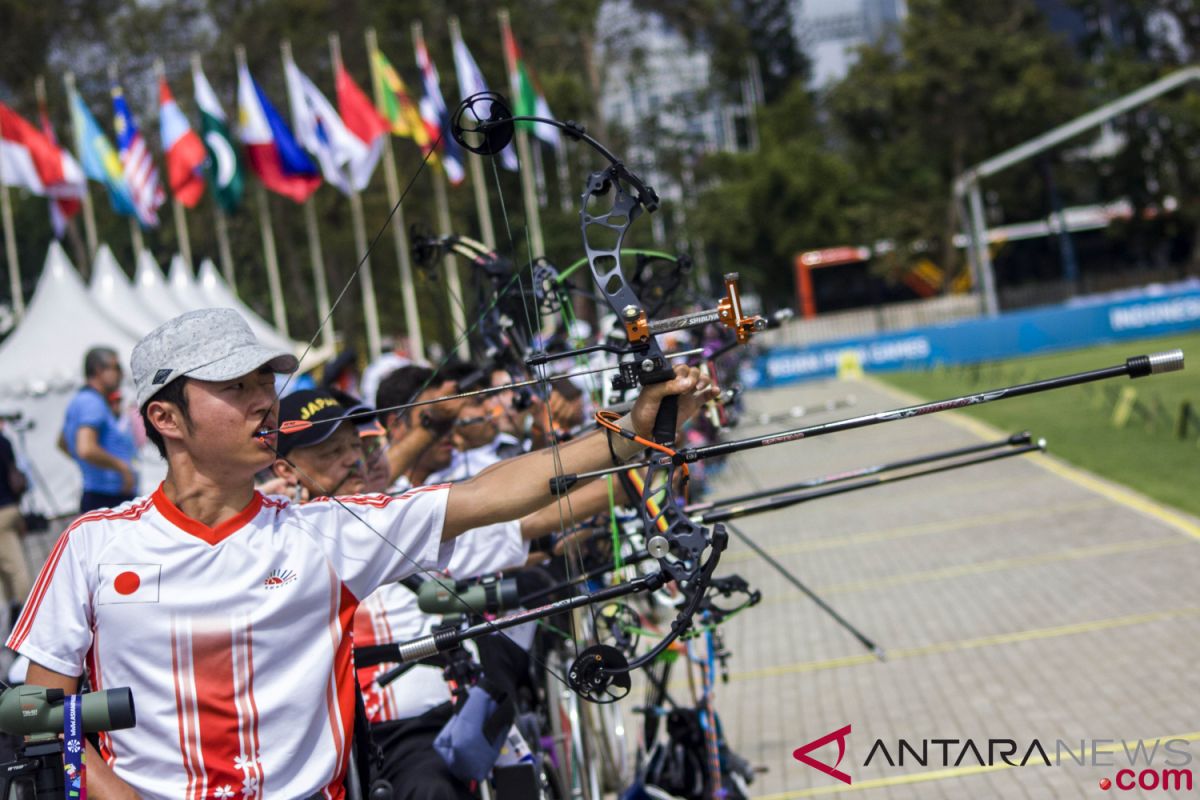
[[29, 160], [128, 583]]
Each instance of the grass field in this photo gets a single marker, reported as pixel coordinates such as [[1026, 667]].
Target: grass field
[[1077, 422]]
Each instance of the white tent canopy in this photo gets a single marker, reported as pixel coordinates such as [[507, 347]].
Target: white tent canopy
[[216, 293], [41, 367], [63, 321], [153, 290], [116, 296], [183, 287]]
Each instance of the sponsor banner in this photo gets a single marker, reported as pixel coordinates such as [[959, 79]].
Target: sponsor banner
[[1010, 335]]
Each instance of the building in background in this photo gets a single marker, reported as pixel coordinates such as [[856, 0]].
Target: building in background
[[829, 31]]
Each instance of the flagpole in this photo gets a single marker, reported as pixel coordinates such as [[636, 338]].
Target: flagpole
[[223, 251], [224, 254], [10, 252], [487, 233], [89, 211], [177, 210], [370, 306], [135, 229], [268, 237], [533, 214], [316, 253], [458, 314], [408, 292]]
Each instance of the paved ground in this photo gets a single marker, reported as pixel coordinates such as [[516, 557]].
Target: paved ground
[[1017, 599]]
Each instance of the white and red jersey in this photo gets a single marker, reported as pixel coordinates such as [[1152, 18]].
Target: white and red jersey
[[235, 640], [391, 615]]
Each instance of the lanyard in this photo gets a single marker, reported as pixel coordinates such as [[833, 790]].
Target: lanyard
[[73, 744]]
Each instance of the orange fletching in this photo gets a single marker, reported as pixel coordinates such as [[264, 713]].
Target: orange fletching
[[294, 426]]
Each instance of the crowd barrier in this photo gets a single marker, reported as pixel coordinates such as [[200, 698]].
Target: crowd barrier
[[1080, 323]]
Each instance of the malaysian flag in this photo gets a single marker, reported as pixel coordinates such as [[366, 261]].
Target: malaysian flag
[[141, 176]]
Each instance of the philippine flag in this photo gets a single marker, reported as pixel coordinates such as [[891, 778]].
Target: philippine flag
[[271, 149], [128, 583], [185, 152]]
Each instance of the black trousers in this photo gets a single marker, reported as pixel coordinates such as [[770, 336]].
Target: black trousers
[[410, 763], [90, 501]]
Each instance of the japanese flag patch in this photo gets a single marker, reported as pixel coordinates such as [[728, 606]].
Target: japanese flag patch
[[128, 583]]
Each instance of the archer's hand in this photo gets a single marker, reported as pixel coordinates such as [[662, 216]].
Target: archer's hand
[[694, 391], [447, 411]]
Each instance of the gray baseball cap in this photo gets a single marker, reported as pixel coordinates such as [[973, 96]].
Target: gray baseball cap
[[209, 344]]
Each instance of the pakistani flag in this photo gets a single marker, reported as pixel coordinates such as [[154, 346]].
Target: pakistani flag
[[225, 169]]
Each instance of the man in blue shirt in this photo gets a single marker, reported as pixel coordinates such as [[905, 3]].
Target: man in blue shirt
[[100, 442]]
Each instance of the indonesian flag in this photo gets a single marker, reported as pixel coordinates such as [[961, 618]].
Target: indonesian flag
[[274, 156], [61, 210], [364, 122], [29, 160], [184, 151]]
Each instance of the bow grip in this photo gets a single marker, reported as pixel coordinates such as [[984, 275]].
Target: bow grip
[[666, 420]]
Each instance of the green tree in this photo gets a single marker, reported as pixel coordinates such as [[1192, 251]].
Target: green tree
[[967, 81]]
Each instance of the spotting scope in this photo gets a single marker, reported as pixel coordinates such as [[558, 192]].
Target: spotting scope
[[490, 595]]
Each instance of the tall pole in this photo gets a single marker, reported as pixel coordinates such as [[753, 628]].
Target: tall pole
[[983, 258], [177, 210], [89, 211], [533, 213], [274, 285], [223, 251], [487, 233], [408, 292], [365, 275], [316, 253], [458, 314], [224, 254], [10, 249], [135, 229]]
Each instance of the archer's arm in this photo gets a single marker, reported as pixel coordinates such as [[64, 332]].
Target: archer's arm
[[511, 489]]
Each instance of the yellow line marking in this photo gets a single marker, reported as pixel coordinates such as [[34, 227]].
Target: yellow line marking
[[996, 565], [1035, 634], [959, 772], [958, 524], [1121, 495]]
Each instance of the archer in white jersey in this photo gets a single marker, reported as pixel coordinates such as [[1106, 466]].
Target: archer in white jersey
[[240, 692]]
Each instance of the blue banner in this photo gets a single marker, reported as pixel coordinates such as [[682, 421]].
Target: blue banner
[[1020, 333]]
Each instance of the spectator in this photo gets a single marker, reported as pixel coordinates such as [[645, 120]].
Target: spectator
[[97, 438], [14, 571]]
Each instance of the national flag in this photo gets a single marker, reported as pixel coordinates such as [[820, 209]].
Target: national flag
[[395, 104], [30, 160], [128, 583], [435, 115], [274, 156], [346, 161], [99, 160], [184, 151], [141, 176], [528, 100], [61, 210], [362, 120], [471, 82], [225, 170]]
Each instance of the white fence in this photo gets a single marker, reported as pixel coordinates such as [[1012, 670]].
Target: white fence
[[871, 321]]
